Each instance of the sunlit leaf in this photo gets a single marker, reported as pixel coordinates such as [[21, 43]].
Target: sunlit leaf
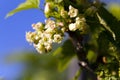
[[29, 4], [58, 1], [115, 10], [64, 54]]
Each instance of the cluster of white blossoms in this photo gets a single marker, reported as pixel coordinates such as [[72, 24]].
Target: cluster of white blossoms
[[44, 35], [80, 24], [80, 21], [53, 31]]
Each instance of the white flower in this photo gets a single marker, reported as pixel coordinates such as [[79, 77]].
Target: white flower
[[48, 47], [38, 26], [48, 35], [30, 36], [57, 38], [50, 24], [46, 38], [72, 27], [80, 23], [37, 37], [50, 30], [82, 19], [40, 47], [72, 12]]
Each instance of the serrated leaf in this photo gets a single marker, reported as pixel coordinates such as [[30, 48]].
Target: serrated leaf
[[64, 55], [29, 4]]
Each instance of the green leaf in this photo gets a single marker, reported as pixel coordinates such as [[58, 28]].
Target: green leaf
[[115, 10], [58, 1], [29, 4], [106, 26], [64, 55], [113, 24]]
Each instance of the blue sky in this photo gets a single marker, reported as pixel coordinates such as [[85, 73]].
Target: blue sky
[[12, 29], [12, 33]]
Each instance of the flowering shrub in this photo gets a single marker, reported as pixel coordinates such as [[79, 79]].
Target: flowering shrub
[[93, 38]]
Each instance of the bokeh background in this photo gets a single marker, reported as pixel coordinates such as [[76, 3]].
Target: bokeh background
[[13, 42]]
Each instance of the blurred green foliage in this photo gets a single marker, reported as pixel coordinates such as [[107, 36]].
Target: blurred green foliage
[[29, 4], [37, 67], [64, 54], [114, 8]]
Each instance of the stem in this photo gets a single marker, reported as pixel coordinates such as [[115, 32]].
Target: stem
[[77, 41]]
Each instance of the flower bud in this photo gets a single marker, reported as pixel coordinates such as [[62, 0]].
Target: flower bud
[[47, 8]]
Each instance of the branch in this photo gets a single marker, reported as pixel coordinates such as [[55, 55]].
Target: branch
[[77, 41]]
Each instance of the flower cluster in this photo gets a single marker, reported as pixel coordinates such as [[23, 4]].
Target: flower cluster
[[80, 21], [44, 35], [54, 28], [79, 24]]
